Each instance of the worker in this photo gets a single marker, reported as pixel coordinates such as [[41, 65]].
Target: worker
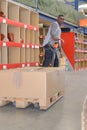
[[51, 40]]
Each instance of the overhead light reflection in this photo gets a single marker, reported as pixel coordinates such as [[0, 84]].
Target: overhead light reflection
[[84, 6]]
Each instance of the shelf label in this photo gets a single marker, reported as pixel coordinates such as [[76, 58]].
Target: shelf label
[[35, 29], [28, 65], [28, 46], [32, 46], [36, 64], [23, 46], [25, 26], [4, 44], [23, 65], [4, 67], [4, 20], [36, 46]]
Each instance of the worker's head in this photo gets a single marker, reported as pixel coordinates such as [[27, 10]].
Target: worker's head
[[60, 19]]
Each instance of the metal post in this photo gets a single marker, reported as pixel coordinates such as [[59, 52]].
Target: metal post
[[36, 5], [76, 4]]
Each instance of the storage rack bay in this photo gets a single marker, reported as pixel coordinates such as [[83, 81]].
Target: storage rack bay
[[22, 22]]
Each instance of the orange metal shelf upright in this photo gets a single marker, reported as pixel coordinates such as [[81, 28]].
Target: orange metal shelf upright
[[68, 46]]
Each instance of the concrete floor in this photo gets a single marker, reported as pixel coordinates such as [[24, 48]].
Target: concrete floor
[[63, 115]]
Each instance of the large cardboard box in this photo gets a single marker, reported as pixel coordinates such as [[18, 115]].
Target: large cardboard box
[[35, 84]]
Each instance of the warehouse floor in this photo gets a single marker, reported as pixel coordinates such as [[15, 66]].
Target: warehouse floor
[[63, 115]]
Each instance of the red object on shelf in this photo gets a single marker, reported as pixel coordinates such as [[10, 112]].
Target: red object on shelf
[[68, 46], [2, 14], [11, 37], [2, 36]]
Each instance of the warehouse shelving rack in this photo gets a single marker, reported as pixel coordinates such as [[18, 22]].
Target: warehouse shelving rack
[[75, 48], [22, 22], [43, 32]]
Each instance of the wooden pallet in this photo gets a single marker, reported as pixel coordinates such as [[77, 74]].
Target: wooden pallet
[[53, 99], [25, 102]]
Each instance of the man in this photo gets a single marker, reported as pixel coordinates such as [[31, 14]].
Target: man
[[51, 40]]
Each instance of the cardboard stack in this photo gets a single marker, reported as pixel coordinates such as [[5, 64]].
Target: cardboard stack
[[32, 85]]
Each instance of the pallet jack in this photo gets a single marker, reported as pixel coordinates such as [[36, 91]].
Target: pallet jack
[[56, 50]]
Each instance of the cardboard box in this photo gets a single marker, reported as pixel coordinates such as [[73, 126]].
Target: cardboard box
[[34, 84]]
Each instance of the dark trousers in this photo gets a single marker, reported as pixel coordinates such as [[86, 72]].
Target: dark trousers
[[48, 57]]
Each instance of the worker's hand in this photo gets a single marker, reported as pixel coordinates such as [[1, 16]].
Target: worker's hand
[[55, 45]]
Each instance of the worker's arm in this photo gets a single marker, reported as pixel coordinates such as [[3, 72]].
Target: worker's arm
[[55, 38], [54, 32]]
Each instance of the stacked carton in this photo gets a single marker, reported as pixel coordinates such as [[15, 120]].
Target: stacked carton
[[32, 85]]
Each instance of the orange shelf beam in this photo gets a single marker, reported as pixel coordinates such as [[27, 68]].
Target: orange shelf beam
[[8, 66], [83, 22], [19, 24]]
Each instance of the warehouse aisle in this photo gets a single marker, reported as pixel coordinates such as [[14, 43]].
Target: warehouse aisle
[[63, 115]]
